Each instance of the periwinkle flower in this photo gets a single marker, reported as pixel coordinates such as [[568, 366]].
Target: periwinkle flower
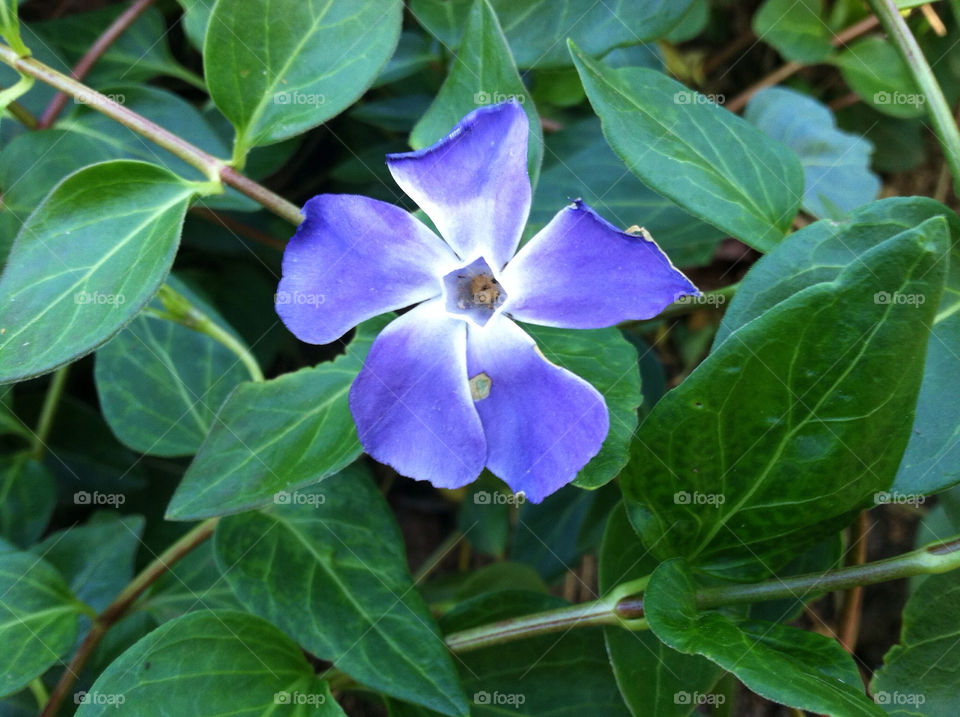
[[454, 385]]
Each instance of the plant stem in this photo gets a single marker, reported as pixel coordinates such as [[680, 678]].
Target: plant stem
[[180, 310], [848, 624], [791, 68], [215, 169], [39, 691], [941, 117], [86, 63], [625, 608], [48, 411], [21, 114], [121, 604]]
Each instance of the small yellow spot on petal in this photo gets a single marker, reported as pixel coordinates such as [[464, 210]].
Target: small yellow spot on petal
[[480, 386]]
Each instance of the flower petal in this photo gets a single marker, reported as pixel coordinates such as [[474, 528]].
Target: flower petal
[[473, 184], [354, 258], [411, 401], [542, 422], [581, 272]]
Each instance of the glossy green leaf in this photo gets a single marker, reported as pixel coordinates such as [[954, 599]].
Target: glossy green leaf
[[798, 417], [818, 253], [276, 68], [28, 495], [160, 383], [710, 162], [521, 677], [797, 668], [836, 165], [579, 163], [85, 262], [654, 679], [279, 435], [484, 515], [874, 70], [211, 663], [609, 363], [38, 618], [138, 54], [326, 564], [795, 28], [96, 558], [483, 73], [536, 29], [919, 675]]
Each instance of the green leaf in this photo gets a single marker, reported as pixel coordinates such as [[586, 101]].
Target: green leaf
[[327, 565], [609, 363], [797, 418], [196, 17], [549, 536], [138, 54], [415, 52], [795, 28], [38, 619], [483, 72], [96, 558], [560, 674], [919, 675], [710, 162], [277, 68], [170, 112], [279, 435], [86, 261], [875, 71], [836, 165], [160, 383], [536, 29], [451, 589], [818, 253], [639, 659], [194, 583], [212, 663], [28, 495], [579, 163], [484, 515], [797, 668]]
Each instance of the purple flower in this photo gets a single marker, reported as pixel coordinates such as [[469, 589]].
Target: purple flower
[[454, 385]]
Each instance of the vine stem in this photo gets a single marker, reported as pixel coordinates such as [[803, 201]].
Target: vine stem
[[47, 412], [624, 606], [86, 63], [938, 110], [119, 607], [791, 68], [215, 169]]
